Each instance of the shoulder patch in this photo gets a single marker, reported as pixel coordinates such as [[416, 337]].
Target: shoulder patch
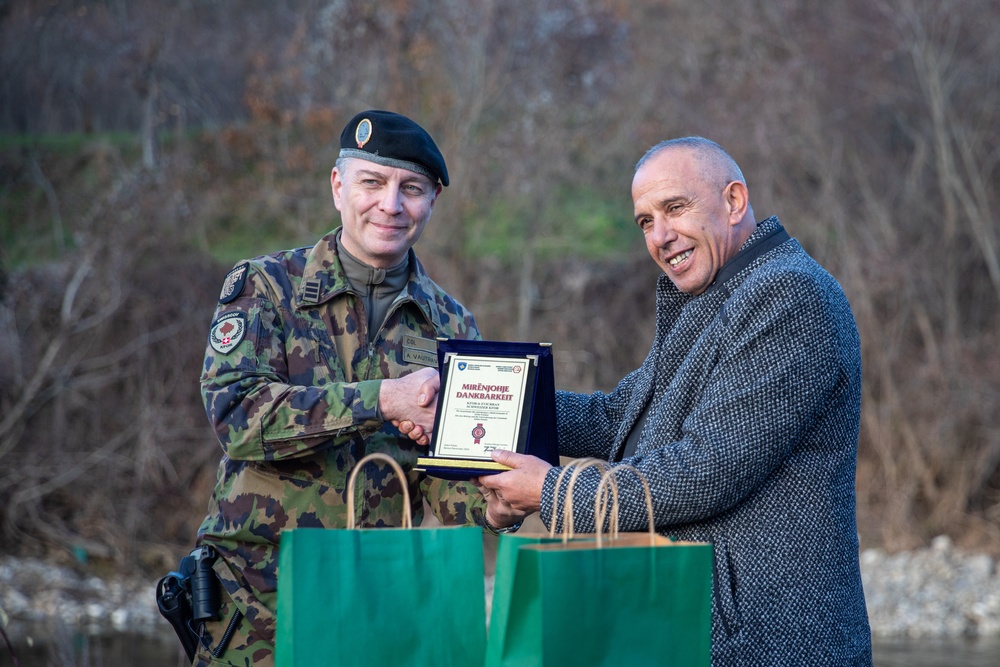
[[227, 332], [232, 286]]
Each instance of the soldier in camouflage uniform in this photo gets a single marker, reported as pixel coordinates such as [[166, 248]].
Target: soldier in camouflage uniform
[[312, 354]]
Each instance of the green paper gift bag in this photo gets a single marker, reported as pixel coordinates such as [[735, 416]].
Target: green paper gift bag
[[632, 599], [383, 596], [508, 547]]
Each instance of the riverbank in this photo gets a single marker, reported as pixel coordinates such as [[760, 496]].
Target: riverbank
[[937, 592]]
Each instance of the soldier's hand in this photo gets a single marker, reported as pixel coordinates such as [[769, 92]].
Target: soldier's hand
[[413, 432], [426, 398], [409, 403]]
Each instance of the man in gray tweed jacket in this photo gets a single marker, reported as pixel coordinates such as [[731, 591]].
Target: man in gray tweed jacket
[[744, 419]]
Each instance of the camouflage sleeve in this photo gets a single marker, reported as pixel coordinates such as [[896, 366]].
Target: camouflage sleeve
[[261, 408], [454, 503]]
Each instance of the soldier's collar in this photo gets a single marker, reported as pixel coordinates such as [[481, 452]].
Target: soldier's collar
[[324, 277], [363, 277]]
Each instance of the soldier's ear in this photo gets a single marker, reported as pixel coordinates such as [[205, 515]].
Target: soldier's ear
[[336, 187]]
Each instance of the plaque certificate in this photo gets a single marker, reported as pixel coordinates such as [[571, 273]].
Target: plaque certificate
[[482, 405], [494, 395]]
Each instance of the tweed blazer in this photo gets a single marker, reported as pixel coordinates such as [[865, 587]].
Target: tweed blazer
[[753, 391]]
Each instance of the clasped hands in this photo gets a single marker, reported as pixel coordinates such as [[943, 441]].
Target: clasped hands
[[511, 495]]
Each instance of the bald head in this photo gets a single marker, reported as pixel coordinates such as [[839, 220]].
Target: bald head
[[715, 165]]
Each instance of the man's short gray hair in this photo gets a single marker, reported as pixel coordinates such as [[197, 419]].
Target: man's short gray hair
[[715, 163]]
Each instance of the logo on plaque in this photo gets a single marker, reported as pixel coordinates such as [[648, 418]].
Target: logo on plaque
[[478, 433]]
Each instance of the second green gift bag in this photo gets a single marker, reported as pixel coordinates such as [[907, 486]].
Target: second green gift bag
[[635, 599]]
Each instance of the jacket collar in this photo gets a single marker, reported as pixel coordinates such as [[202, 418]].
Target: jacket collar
[[769, 234], [324, 277]]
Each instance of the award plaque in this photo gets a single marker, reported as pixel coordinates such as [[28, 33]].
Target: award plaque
[[494, 395]]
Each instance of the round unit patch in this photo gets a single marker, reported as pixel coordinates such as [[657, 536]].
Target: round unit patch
[[227, 332], [363, 132]]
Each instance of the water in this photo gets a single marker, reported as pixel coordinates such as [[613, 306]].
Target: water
[[82, 650], [164, 651], [937, 653]]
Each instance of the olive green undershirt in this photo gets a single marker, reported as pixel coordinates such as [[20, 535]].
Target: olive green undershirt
[[378, 288]]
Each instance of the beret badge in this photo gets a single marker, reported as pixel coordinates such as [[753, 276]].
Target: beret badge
[[363, 132]]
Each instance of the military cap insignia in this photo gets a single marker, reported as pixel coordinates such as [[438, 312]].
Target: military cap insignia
[[232, 286], [227, 332], [363, 132]]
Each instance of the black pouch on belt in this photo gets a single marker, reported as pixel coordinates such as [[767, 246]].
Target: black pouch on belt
[[173, 602], [190, 595]]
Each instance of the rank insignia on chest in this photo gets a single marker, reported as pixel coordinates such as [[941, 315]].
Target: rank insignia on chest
[[232, 286], [227, 332], [310, 291], [417, 350]]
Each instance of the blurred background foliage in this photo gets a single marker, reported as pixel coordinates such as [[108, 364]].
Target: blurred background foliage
[[146, 146]]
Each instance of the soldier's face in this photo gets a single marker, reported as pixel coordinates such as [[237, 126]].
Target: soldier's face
[[383, 210]]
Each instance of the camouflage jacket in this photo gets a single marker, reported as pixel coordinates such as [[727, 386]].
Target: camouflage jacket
[[291, 386]]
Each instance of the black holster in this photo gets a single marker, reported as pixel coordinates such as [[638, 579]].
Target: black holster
[[190, 595], [174, 605]]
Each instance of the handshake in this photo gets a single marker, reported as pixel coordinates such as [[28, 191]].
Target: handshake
[[410, 403]]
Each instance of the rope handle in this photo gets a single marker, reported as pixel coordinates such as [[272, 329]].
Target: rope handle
[[577, 465], [607, 497], [559, 480], [407, 510]]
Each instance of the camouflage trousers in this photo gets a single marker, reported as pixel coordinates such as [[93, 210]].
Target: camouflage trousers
[[245, 648]]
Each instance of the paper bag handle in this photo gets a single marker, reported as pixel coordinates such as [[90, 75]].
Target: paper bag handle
[[567, 516], [610, 480], [407, 510], [555, 498]]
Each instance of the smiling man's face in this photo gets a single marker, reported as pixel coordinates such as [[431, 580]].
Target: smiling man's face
[[689, 222], [383, 210]]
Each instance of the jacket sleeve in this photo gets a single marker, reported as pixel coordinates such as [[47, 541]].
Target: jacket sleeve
[[777, 366], [258, 410]]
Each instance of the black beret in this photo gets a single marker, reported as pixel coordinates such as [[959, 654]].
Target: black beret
[[391, 140]]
